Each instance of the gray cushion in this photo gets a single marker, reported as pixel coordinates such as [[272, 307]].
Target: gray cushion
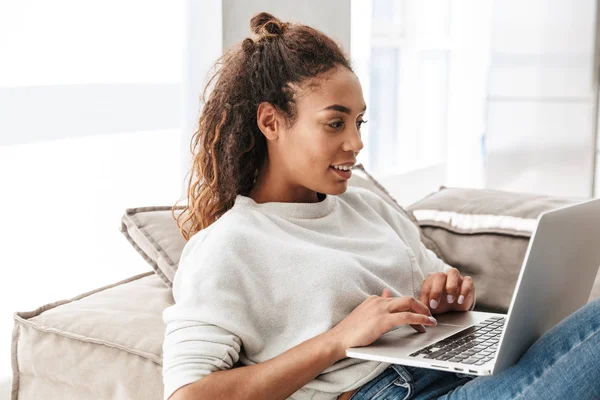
[[485, 233], [153, 232]]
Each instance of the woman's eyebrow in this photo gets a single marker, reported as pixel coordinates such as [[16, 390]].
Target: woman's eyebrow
[[340, 108]]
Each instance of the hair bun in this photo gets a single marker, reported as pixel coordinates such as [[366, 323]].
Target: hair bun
[[265, 23], [248, 45]]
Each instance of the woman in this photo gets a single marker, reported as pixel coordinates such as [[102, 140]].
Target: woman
[[284, 262]]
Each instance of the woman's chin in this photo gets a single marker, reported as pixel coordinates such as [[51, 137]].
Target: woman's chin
[[338, 188]]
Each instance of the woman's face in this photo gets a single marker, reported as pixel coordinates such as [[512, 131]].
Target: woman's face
[[325, 133]]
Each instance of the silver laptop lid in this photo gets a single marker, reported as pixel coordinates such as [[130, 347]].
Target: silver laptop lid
[[556, 278]]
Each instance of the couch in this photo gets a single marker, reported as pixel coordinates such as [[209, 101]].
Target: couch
[[107, 343]]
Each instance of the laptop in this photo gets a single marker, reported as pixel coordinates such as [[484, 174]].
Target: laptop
[[556, 279]]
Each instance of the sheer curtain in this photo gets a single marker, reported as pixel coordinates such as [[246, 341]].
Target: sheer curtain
[[89, 126]]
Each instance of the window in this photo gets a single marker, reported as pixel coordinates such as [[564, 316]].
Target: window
[[423, 66]]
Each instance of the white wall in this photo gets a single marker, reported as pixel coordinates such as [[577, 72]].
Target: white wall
[[73, 68], [89, 126]]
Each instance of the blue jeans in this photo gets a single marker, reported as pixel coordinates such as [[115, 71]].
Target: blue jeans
[[562, 364]]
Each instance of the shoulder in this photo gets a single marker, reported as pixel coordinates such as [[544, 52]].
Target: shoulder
[[230, 226], [204, 252]]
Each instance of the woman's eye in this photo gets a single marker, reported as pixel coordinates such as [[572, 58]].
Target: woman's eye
[[341, 123]]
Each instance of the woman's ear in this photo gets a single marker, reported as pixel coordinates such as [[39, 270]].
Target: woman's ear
[[267, 119]]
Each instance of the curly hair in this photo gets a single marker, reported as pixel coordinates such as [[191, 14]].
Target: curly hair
[[228, 147]]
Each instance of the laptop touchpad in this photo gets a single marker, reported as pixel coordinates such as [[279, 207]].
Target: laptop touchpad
[[407, 336]]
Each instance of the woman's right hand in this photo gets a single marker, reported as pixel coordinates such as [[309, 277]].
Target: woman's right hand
[[378, 315]]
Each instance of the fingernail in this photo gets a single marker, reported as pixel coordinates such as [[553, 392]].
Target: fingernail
[[450, 298], [433, 303], [461, 299], [433, 320]]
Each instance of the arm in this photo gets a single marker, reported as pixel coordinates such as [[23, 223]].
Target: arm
[[430, 262], [277, 378], [426, 259], [208, 324]]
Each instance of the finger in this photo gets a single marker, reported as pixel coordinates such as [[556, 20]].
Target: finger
[[412, 319], [407, 303], [419, 328], [437, 289], [412, 304], [453, 285], [426, 289], [466, 288], [469, 300]]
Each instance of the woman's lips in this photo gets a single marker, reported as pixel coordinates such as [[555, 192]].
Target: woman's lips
[[342, 174]]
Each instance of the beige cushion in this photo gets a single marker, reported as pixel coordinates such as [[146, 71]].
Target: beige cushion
[[153, 232], [485, 233], [104, 344]]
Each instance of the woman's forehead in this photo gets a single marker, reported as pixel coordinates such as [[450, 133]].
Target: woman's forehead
[[344, 91]]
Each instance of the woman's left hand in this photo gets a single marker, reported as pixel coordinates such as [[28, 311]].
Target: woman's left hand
[[443, 292]]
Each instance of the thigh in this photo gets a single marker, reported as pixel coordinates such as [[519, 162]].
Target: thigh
[[393, 383], [399, 382], [431, 384], [563, 363]]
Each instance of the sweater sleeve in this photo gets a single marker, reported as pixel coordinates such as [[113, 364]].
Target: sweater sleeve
[[201, 336], [427, 260]]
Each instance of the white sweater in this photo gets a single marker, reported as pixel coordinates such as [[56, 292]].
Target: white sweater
[[266, 277]]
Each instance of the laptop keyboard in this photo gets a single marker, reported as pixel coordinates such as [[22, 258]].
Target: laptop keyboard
[[475, 345]]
